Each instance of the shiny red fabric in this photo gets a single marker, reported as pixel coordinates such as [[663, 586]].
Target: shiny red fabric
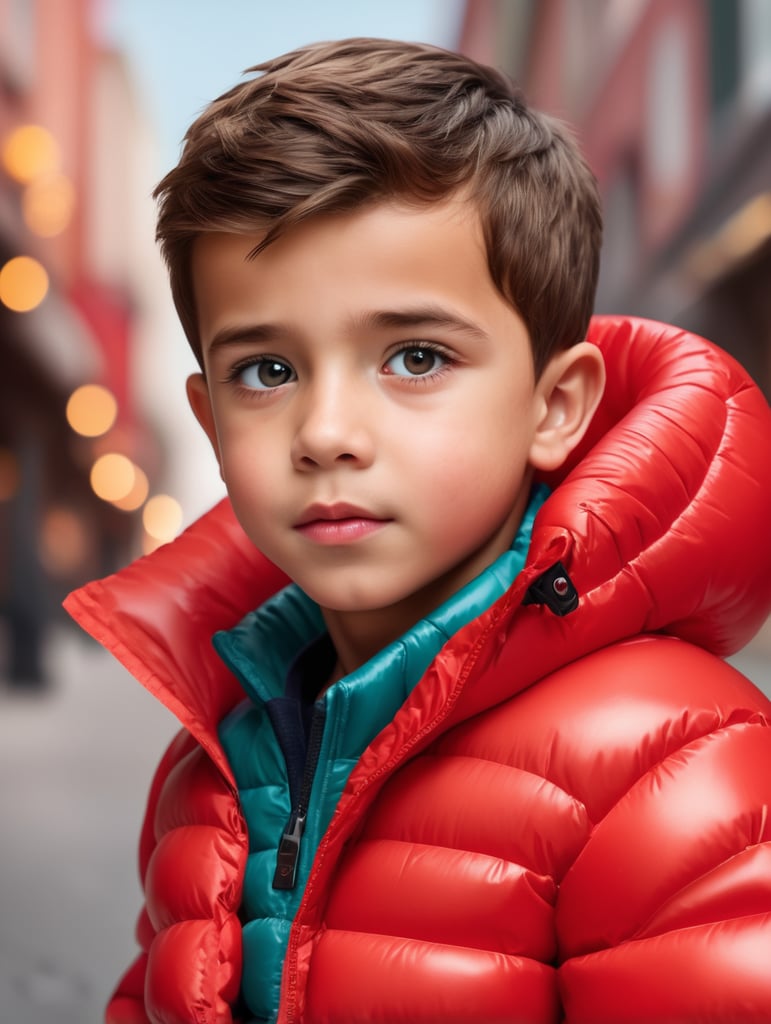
[[591, 848]]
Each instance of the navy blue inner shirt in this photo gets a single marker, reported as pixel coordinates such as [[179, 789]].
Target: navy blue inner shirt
[[291, 714]]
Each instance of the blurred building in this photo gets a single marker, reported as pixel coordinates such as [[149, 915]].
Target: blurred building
[[68, 299], [671, 101]]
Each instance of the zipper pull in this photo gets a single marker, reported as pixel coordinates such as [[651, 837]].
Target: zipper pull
[[289, 853]]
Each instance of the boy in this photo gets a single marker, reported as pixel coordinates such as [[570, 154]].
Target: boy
[[478, 761]]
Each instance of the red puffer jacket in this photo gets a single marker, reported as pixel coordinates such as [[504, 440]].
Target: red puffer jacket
[[591, 848]]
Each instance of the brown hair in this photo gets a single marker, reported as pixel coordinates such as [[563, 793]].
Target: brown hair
[[332, 126]]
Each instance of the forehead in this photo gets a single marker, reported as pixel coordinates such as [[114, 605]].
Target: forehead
[[346, 266]]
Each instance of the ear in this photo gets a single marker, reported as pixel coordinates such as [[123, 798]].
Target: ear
[[567, 394], [200, 403]]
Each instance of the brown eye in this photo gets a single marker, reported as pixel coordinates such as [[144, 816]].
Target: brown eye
[[265, 374], [414, 362], [419, 360]]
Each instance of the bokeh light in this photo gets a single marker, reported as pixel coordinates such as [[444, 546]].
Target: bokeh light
[[137, 496], [47, 205], [112, 476], [162, 517], [64, 542], [91, 410], [29, 152], [23, 284]]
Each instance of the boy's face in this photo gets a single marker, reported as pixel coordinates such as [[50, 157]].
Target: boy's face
[[371, 400]]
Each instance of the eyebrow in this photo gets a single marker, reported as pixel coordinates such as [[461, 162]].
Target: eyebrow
[[421, 316], [396, 319], [246, 334]]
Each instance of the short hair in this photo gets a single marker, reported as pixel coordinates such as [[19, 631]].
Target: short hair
[[333, 126]]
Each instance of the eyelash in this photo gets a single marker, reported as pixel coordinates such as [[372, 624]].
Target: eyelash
[[414, 380], [418, 380], [235, 371]]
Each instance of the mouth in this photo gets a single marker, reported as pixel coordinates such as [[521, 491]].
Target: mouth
[[338, 523], [335, 514]]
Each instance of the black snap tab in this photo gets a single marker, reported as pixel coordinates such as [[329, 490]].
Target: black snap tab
[[555, 589]]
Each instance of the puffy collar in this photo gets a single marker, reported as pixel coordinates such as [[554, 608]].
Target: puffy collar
[[660, 519]]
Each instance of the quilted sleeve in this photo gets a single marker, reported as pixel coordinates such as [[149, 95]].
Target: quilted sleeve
[[191, 854], [127, 1004], [666, 913]]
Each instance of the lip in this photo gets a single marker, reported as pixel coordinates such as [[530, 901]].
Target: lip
[[339, 523], [333, 513]]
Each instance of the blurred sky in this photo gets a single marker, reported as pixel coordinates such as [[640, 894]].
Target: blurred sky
[[187, 52]]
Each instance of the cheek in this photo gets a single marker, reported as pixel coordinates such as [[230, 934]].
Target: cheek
[[473, 458], [250, 482], [246, 458], [472, 491]]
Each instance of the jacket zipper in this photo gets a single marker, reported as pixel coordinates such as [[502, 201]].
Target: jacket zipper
[[285, 876]]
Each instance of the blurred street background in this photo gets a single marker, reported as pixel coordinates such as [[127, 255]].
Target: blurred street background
[[100, 460]]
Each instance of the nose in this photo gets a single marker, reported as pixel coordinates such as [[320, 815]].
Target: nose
[[334, 427]]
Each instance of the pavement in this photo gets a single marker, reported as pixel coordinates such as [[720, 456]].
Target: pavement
[[76, 762]]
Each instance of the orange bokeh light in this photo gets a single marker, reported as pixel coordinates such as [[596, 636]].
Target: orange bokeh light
[[162, 517], [23, 284], [29, 152], [47, 205], [91, 410], [112, 476]]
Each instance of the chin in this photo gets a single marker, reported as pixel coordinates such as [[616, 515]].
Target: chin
[[346, 605], [349, 599]]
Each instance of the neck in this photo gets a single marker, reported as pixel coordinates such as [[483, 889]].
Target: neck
[[357, 637]]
